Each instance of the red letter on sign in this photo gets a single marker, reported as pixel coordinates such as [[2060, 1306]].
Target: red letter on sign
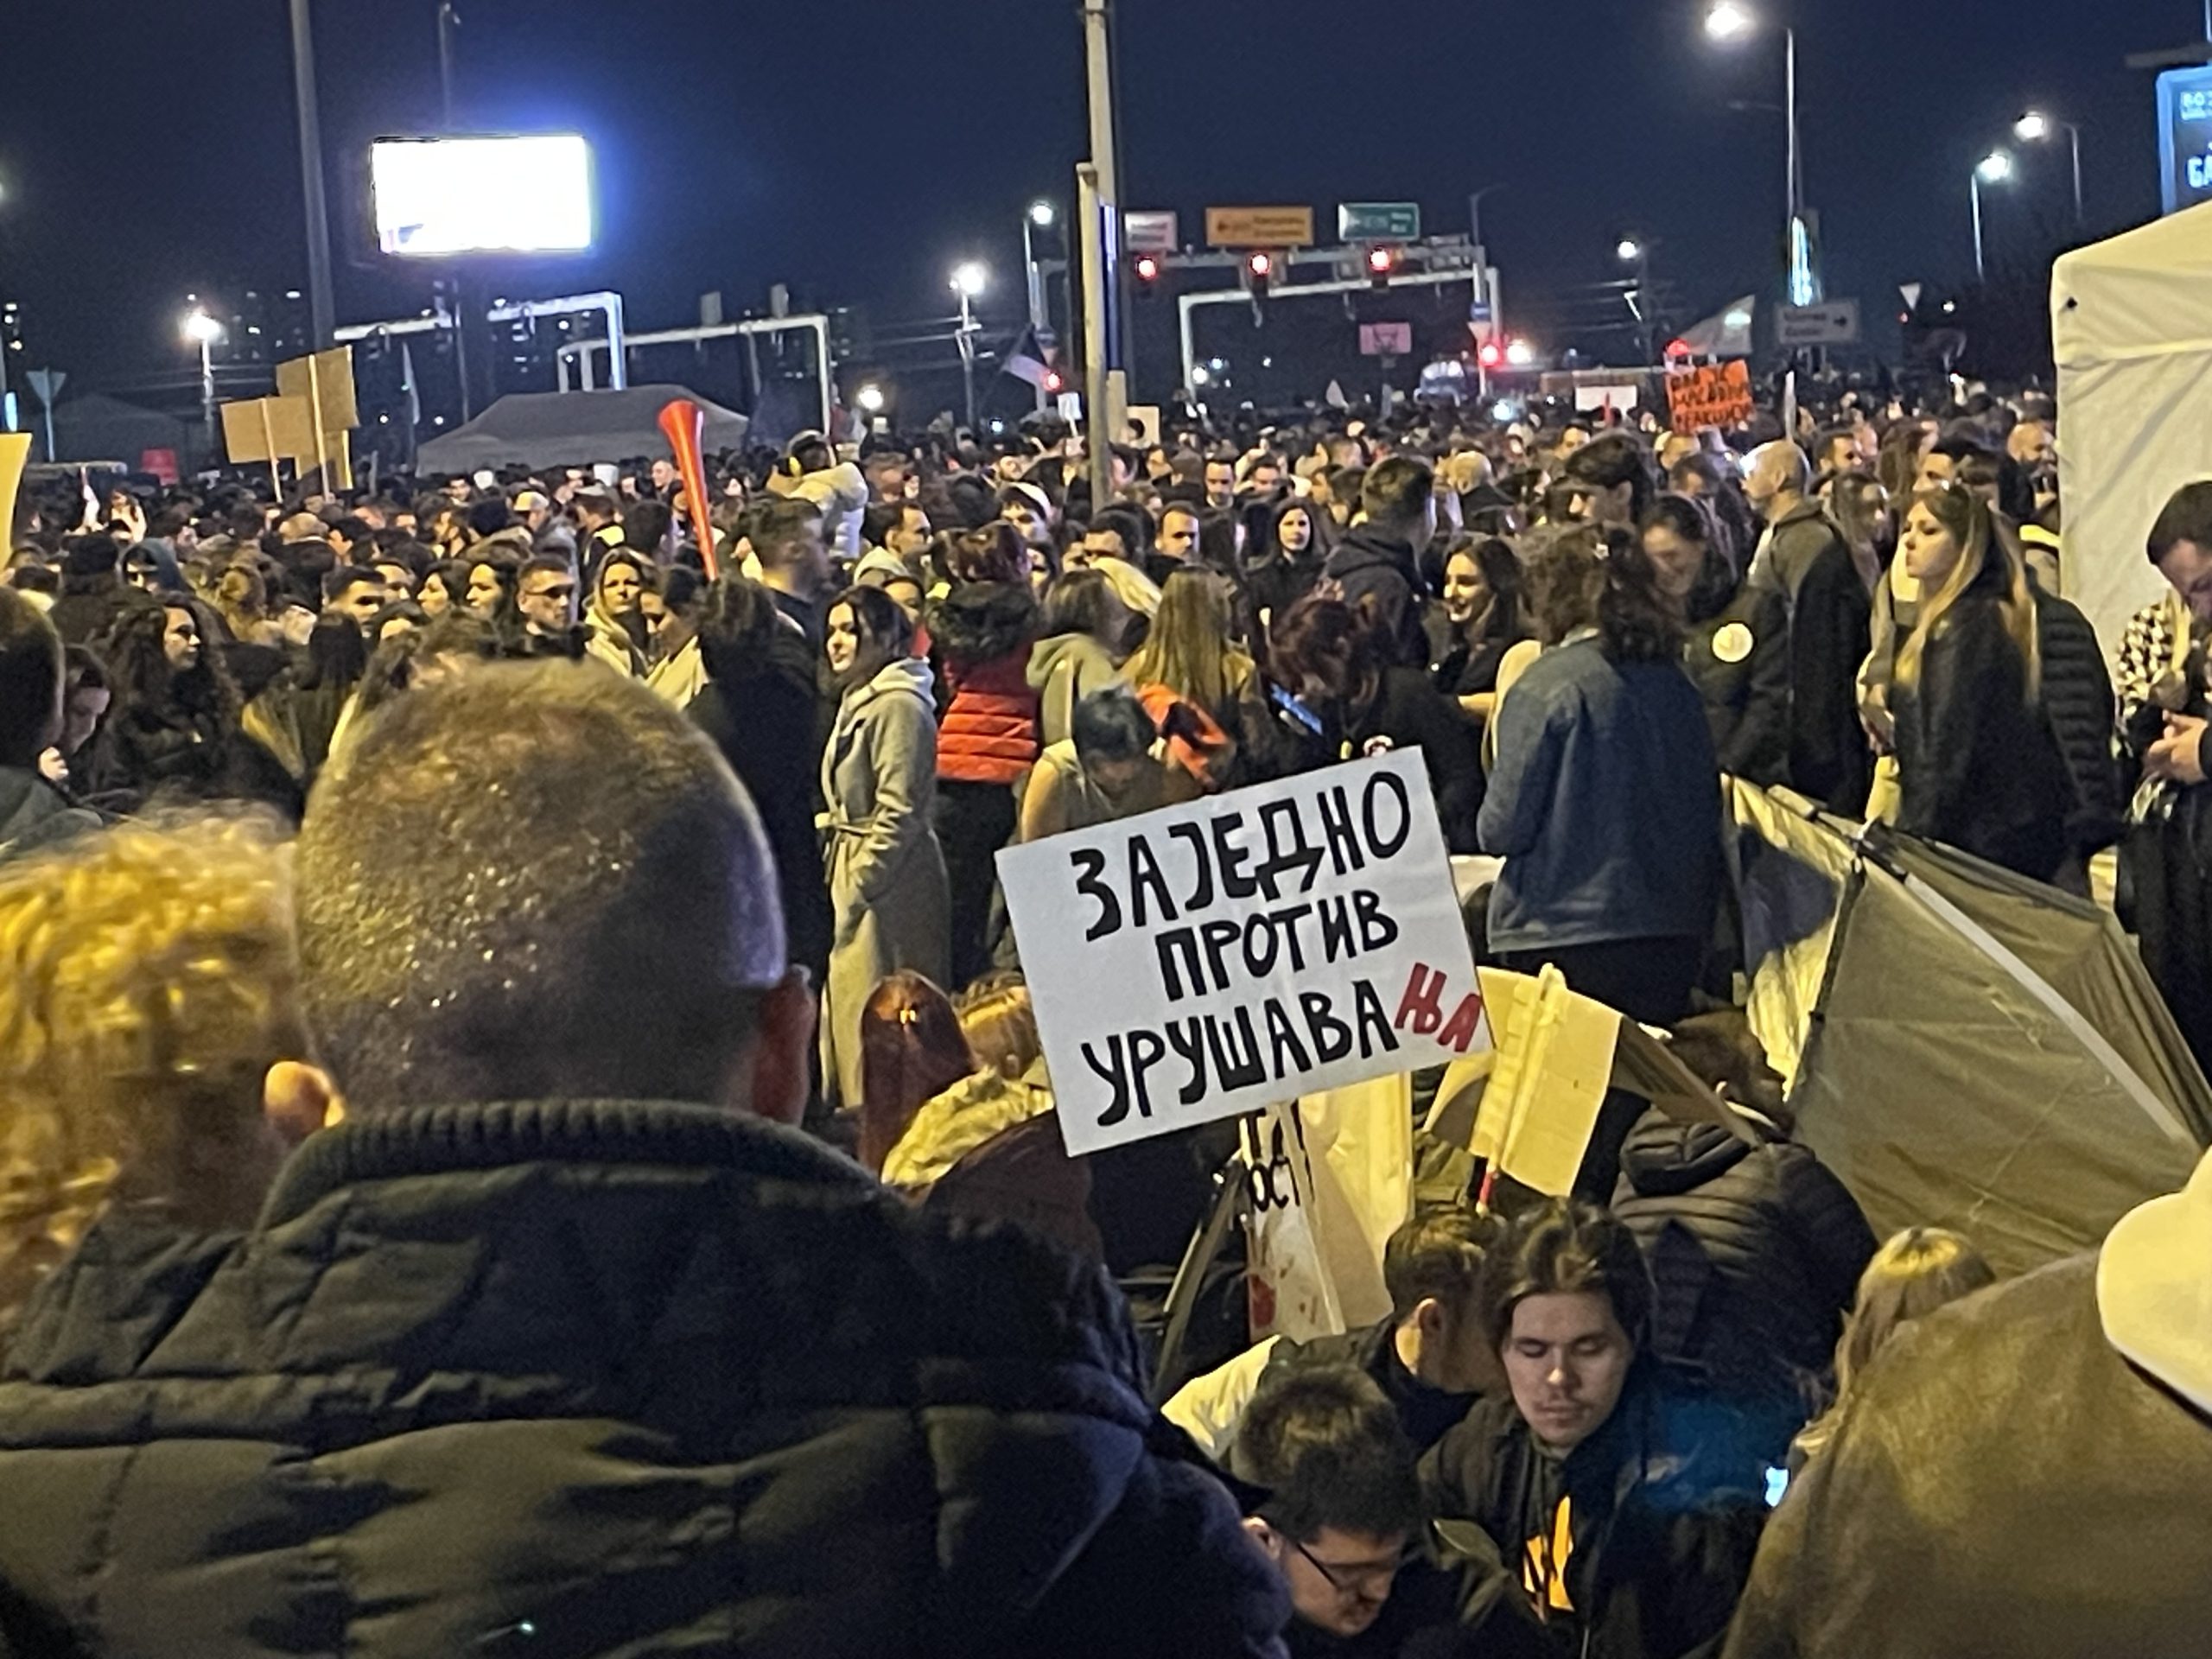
[[1466, 1019], [1423, 1001]]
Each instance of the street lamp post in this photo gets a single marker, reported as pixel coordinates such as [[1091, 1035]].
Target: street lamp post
[[321, 307], [1040, 216], [1992, 169], [968, 280], [1730, 19], [2033, 127], [204, 331], [1635, 252]]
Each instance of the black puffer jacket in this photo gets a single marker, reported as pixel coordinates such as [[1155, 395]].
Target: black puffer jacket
[[589, 1378], [1372, 573], [2077, 698], [1755, 1254]]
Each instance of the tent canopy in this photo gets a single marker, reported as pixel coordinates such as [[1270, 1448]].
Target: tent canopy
[[97, 427], [1971, 1049], [2132, 329], [573, 428]]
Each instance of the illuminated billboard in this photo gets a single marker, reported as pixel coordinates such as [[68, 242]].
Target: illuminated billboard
[[2185, 137], [438, 197]]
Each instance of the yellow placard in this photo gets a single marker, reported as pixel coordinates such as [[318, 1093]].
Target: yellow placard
[[15, 456], [1260, 227], [1555, 1063], [268, 428]]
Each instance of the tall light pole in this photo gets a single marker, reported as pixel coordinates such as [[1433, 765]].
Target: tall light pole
[[448, 21], [204, 331], [2033, 127], [1992, 169], [1729, 21], [968, 280], [321, 305], [1040, 216], [1635, 252]]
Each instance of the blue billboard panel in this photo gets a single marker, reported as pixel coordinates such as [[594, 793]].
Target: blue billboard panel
[[2185, 137]]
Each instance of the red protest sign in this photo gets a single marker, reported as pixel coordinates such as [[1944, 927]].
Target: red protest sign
[[1716, 395]]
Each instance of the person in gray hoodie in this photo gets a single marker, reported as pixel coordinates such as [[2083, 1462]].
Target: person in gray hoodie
[[1078, 650], [33, 813], [878, 778]]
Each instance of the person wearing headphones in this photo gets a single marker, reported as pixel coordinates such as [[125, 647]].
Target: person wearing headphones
[[812, 471]]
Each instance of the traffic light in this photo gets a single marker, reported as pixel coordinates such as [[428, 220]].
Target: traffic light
[[1259, 271], [1491, 355], [1148, 269], [1053, 383], [1381, 265]]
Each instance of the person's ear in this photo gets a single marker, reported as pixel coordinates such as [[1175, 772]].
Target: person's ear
[[1269, 1540], [1429, 1319], [298, 1099], [783, 1040]]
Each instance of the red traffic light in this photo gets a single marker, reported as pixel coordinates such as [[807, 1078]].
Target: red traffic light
[[1053, 381], [1380, 261], [1492, 354], [1146, 267], [1262, 264]]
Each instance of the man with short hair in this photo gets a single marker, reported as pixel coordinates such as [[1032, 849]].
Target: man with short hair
[[1830, 623], [787, 542], [1221, 483], [1342, 1512], [1377, 563], [1178, 541], [33, 814], [1430, 1357], [562, 1337], [545, 594], [599, 525], [355, 591]]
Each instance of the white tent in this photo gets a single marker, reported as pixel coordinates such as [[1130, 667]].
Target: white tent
[[2132, 329]]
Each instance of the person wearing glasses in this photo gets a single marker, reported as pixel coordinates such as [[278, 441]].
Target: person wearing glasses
[[1613, 1518], [1342, 1518], [545, 597]]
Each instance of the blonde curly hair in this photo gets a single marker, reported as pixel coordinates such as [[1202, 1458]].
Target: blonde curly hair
[[146, 986]]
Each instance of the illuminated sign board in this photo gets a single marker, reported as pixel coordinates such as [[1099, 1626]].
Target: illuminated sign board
[[2185, 137]]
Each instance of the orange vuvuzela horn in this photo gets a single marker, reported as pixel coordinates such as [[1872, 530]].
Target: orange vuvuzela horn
[[683, 423]]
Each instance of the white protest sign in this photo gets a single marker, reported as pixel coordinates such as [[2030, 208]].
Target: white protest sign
[[1207, 960]]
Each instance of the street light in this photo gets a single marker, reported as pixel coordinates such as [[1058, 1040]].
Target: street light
[[204, 331], [1730, 21], [1992, 169], [870, 399], [2033, 127], [1041, 216], [1630, 251], [970, 279]]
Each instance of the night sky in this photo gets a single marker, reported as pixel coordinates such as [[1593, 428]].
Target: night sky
[[857, 151]]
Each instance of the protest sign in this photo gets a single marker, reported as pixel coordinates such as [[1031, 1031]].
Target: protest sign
[[15, 460], [1554, 1061], [1714, 394], [1212, 958]]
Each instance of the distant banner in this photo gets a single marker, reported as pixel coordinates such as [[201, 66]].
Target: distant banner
[[1716, 395], [1209, 959]]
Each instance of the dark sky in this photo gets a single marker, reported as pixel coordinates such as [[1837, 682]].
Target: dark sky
[[147, 146]]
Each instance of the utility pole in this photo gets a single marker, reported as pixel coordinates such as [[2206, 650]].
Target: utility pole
[[322, 303], [448, 21], [1105, 388]]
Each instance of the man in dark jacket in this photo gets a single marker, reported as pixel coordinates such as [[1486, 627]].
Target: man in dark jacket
[[1830, 620], [2022, 1473], [1376, 567], [560, 1342], [33, 814]]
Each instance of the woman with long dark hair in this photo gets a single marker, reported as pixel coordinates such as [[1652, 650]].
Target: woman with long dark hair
[[984, 628], [1978, 767], [1283, 568], [296, 719], [1735, 639], [1605, 799], [174, 726], [1480, 619], [887, 890]]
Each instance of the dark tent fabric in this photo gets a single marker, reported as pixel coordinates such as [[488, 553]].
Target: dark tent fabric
[[1965, 1048], [573, 428], [99, 427]]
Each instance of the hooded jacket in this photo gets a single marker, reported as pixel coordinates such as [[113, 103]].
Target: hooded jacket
[[1978, 768], [1064, 669], [1755, 1253], [572, 1378], [984, 631], [2023, 1472], [1379, 572]]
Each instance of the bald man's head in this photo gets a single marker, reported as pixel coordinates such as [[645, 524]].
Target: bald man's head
[[531, 882], [1779, 477]]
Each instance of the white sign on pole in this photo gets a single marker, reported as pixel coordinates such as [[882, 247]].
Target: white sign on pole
[[1150, 232], [1209, 959], [1835, 323]]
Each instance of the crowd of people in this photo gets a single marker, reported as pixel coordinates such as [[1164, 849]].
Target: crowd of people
[[525, 1130]]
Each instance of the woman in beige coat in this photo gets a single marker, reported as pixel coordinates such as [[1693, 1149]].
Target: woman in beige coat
[[879, 776]]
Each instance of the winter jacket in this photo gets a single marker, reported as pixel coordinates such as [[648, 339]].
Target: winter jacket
[[1023, 1177], [35, 816], [2077, 699], [1273, 585], [1372, 571], [1755, 1253], [1830, 632], [1739, 661], [1604, 803], [1064, 669], [952, 1124], [2021, 1473], [1977, 767], [1634, 1546], [1208, 1408], [984, 632], [585, 1377], [768, 727]]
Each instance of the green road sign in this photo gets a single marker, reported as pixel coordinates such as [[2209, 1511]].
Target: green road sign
[[1378, 221]]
